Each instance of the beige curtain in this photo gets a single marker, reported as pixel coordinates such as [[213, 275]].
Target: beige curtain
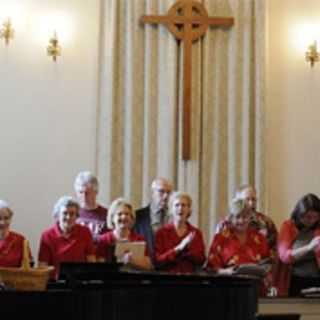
[[139, 119]]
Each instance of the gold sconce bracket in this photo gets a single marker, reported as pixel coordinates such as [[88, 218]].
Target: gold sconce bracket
[[6, 31], [54, 49], [312, 55]]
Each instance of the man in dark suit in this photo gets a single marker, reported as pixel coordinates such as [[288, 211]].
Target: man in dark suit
[[150, 218]]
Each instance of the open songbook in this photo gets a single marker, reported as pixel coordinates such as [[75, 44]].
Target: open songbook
[[313, 292], [251, 269], [254, 269], [137, 249]]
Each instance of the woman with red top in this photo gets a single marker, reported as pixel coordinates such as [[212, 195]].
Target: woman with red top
[[66, 241], [259, 221], [179, 246], [11, 243], [120, 221], [299, 248], [239, 244]]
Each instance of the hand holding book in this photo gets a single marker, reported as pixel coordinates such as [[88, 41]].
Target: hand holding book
[[126, 250]]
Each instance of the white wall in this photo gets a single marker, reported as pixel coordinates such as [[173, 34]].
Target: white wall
[[47, 110], [292, 109]]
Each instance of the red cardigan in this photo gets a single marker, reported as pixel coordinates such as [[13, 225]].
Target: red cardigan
[[287, 235], [167, 259]]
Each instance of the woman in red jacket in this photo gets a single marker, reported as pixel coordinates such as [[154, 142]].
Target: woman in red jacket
[[299, 248], [179, 246]]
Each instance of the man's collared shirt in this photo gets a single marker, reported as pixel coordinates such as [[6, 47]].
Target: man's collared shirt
[[158, 218]]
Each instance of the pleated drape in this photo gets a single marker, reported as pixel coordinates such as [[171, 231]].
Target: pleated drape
[[140, 106]]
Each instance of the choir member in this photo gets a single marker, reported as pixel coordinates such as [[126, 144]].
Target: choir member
[[11, 243], [91, 214], [66, 240], [258, 220], [152, 217], [179, 246], [239, 244], [299, 248], [120, 221]]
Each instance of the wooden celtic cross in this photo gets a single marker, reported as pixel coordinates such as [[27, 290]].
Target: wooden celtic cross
[[187, 20]]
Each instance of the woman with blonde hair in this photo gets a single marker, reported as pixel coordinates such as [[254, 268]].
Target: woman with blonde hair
[[120, 221], [179, 246]]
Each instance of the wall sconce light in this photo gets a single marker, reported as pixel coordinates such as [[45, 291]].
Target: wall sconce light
[[54, 49], [6, 31], [312, 55]]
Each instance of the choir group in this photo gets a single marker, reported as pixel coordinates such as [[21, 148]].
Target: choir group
[[84, 231]]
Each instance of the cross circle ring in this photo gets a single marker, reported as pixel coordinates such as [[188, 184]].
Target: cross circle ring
[[182, 13]]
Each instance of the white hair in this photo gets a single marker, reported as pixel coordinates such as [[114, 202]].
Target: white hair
[[84, 178], [64, 202], [5, 205]]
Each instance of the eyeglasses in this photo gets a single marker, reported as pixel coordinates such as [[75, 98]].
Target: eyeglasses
[[162, 191]]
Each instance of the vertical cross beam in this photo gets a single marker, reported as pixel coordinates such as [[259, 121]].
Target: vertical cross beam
[[187, 20]]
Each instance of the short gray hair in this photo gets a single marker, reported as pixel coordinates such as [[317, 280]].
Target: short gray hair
[[64, 202], [5, 205], [84, 178], [115, 205]]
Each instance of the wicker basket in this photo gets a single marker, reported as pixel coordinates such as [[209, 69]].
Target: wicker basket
[[26, 278], [33, 279]]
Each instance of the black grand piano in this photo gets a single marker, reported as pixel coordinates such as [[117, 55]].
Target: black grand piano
[[102, 291]]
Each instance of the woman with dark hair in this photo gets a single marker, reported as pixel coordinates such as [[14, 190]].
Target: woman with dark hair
[[299, 248]]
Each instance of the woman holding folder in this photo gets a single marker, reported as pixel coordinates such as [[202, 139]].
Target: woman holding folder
[[121, 243]]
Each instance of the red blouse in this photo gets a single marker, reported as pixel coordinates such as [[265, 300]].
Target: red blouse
[[226, 249], [56, 248], [168, 259], [11, 250]]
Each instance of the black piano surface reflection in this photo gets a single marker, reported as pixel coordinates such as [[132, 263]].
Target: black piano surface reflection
[[101, 291]]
